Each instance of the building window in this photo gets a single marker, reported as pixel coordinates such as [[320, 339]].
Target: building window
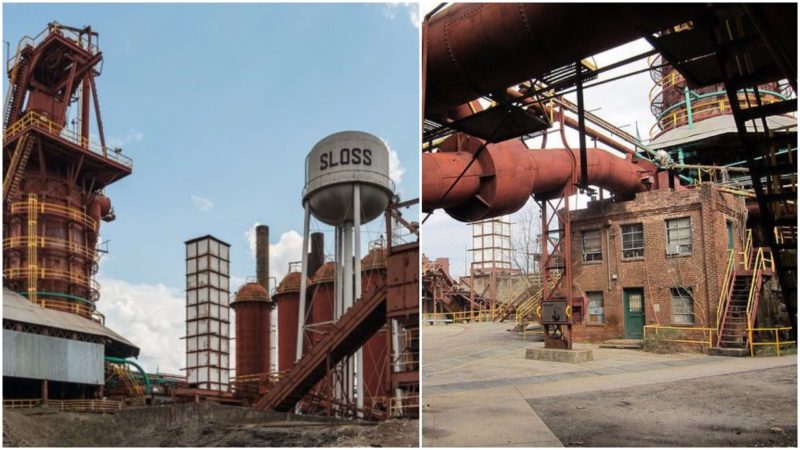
[[591, 246], [596, 310], [679, 236], [632, 240], [682, 305]]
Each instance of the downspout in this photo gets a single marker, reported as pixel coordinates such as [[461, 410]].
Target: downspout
[[147, 386]]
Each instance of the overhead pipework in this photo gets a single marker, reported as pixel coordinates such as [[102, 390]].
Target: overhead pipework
[[478, 49], [504, 176]]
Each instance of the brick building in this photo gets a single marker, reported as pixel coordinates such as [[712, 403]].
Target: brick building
[[657, 259]]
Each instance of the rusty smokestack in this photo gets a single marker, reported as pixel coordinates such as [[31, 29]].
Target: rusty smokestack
[[316, 258], [262, 256]]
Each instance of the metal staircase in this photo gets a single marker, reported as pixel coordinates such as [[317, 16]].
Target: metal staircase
[[350, 332], [19, 160], [748, 56], [746, 277], [16, 79]]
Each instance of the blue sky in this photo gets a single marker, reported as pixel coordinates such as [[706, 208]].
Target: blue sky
[[218, 106]]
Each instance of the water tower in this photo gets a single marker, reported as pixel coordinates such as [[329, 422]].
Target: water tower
[[347, 185]]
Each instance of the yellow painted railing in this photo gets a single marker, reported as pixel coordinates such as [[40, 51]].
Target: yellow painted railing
[[777, 342], [483, 315], [726, 285], [534, 302], [48, 242], [706, 339], [56, 210], [680, 117], [80, 309], [46, 274], [760, 264], [40, 122], [101, 406], [22, 403]]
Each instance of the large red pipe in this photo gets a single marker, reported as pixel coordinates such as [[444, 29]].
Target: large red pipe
[[505, 175], [473, 49]]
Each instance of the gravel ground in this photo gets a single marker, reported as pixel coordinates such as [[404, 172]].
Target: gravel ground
[[750, 409], [214, 426]]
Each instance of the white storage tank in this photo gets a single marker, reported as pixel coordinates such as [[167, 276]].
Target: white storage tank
[[339, 162]]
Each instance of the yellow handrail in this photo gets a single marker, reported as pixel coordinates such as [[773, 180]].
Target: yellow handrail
[[34, 119], [747, 250], [44, 273], [704, 341], [57, 210], [777, 342], [529, 305], [45, 242], [726, 284]]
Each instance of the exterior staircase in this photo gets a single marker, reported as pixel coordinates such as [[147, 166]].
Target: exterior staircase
[[733, 329], [350, 332], [736, 316]]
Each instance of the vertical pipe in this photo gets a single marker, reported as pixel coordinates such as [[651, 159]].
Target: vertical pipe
[[398, 393], [688, 98], [262, 256], [581, 126], [357, 261], [357, 237], [337, 301], [85, 94], [301, 307], [348, 298], [317, 258]]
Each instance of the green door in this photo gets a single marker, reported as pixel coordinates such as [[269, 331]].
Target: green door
[[633, 303]]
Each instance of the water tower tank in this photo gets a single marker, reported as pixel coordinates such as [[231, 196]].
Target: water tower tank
[[335, 165]]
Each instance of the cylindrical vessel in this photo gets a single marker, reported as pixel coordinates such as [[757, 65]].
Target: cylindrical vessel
[[252, 309], [336, 165], [503, 177], [322, 298], [675, 105], [316, 257], [376, 350], [474, 49], [287, 296], [50, 235]]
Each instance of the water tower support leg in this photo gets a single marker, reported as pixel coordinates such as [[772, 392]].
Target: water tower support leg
[[301, 319]]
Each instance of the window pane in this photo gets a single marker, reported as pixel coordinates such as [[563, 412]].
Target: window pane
[[682, 305], [596, 307]]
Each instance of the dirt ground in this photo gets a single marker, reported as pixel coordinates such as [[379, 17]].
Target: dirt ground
[[749, 409], [198, 426]]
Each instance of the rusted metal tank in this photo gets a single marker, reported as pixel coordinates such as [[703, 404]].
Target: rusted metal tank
[[287, 296], [375, 353], [516, 173], [474, 49], [322, 299], [252, 308]]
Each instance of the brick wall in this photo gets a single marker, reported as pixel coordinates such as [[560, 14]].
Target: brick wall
[[655, 273]]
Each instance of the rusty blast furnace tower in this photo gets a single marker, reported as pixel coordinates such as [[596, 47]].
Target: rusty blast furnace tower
[[55, 173]]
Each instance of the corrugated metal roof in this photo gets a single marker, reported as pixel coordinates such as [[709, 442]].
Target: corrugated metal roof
[[716, 126], [19, 309]]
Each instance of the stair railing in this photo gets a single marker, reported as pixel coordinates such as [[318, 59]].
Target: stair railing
[[726, 284]]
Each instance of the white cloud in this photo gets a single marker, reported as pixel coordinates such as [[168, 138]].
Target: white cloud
[[409, 9], [149, 315], [288, 249], [202, 203], [396, 168], [131, 136]]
